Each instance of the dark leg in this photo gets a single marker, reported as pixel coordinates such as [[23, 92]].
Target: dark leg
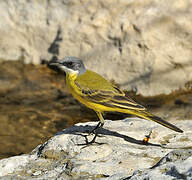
[[99, 125], [95, 128]]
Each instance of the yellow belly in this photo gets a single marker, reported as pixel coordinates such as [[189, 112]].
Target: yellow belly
[[74, 91]]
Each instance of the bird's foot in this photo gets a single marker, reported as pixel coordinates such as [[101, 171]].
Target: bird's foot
[[147, 137], [87, 142], [92, 141], [94, 131]]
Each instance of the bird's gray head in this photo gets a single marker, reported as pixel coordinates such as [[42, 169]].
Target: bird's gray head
[[70, 65]]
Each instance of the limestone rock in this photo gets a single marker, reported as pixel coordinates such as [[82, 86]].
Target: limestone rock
[[175, 165], [118, 153], [143, 45]]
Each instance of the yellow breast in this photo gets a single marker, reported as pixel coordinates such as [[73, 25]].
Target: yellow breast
[[76, 92]]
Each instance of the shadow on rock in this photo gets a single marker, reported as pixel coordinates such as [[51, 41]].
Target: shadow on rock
[[77, 130]]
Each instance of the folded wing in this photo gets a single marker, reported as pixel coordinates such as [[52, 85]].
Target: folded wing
[[107, 94]]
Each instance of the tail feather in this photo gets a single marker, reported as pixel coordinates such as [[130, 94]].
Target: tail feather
[[157, 119]]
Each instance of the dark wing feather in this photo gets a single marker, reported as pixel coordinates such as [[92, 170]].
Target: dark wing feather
[[123, 102]]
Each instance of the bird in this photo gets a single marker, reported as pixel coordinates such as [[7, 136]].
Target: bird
[[99, 94]]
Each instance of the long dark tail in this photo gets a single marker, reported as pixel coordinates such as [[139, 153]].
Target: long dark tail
[[148, 116]]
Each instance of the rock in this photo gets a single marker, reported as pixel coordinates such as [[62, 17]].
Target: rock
[[175, 165], [146, 43], [118, 153]]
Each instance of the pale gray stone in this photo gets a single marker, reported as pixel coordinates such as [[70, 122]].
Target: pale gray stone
[[118, 153], [175, 165]]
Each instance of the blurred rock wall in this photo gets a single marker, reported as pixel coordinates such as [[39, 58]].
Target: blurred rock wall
[[144, 45]]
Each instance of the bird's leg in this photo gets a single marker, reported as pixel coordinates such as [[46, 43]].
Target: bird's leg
[[99, 125], [96, 127], [99, 114]]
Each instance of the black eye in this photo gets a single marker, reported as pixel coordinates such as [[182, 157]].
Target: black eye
[[70, 63]]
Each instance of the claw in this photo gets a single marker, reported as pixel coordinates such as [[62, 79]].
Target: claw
[[92, 141], [99, 125]]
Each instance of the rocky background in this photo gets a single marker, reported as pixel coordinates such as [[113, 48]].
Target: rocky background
[[144, 46]]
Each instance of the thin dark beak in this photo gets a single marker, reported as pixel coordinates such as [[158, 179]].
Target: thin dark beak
[[54, 65]]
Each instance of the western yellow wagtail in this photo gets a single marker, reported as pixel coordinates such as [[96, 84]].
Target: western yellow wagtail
[[97, 93]]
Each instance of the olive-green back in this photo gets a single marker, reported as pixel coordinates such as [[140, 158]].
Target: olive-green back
[[93, 81]]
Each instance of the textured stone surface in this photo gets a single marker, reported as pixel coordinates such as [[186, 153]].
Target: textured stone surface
[[175, 165], [118, 153], [144, 45]]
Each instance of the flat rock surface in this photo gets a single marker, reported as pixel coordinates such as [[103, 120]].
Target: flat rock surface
[[118, 153]]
